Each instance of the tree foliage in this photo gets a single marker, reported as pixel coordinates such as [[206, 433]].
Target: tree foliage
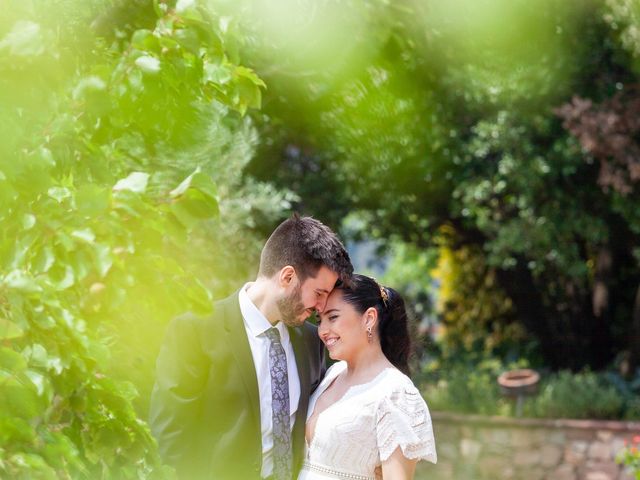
[[449, 121], [123, 202]]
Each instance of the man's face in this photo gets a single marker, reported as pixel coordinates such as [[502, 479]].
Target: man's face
[[306, 298]]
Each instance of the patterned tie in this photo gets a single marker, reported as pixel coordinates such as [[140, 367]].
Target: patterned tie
[[279, 407]]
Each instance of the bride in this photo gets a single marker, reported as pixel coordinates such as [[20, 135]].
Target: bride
[[366, 418]]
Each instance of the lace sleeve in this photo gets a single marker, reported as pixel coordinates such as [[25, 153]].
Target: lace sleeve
[[403, 421]]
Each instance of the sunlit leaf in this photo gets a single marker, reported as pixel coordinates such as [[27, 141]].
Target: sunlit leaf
[[24, 39], [91, 83], [38, 379], [85, 235], [20, 280], [183, 5], [36, 355], [9, 330], [62, 277], [104, 259], [59, 193], [217, 73], [135, 182], [148, 64], [28, 221]]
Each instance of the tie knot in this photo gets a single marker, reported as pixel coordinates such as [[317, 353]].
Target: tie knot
[[273, 334]]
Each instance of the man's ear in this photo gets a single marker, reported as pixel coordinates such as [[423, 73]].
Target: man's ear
[[287, 276]]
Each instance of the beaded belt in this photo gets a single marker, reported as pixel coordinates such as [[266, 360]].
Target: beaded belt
[[336, 473]]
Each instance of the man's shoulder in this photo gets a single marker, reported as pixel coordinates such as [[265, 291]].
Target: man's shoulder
[[219, 309], [310, 333], [309, 328]]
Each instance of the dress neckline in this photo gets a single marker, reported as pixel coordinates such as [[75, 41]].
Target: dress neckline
[[344, 396]]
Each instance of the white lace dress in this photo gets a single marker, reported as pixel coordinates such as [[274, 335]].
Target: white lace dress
[[362, 429]]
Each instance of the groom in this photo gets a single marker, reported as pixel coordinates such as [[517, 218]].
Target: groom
[[232, 388]]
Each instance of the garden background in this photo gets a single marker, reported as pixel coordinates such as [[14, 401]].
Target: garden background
[[483, 157]]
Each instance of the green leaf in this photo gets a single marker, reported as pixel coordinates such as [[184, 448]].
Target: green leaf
[[195, 199], [148, 64], [15, 430], [34, 463], [55, 365], [11, 361], [38, 380], [188, 40], [86, 235], [199, 204], [250, 75], [87, 85], [199, 181], [36, 354], [24, 40], [62, 277], [249, 94], [20, 251], [217, 73], [128, 390], [159, 8], [46, 322], [92, 199], [28, 221], [136, 182], [145, 40], [20, 280], [103, 259], [59, 193], [9, 330], [184, 185], [183, 5]]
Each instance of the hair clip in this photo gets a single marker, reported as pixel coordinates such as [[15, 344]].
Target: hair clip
[[384, 295]]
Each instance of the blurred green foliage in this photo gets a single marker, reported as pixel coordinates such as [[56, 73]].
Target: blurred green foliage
[[577, 395], [467, 384], [123, 202]]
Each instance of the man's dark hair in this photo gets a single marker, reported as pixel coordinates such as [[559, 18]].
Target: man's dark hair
[[306, 244]]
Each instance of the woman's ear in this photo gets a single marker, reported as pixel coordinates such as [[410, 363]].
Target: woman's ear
[[370, 318]]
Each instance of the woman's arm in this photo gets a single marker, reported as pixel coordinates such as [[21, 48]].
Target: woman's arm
[[398, 467]]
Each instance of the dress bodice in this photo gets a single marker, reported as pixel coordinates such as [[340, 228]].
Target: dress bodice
[[361, 430]]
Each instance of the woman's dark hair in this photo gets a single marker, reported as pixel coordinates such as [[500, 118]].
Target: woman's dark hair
[[365, 292]]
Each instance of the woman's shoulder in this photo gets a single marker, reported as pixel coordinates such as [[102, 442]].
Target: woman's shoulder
[[397, 381]]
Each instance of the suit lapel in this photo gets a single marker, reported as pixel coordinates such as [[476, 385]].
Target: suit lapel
[[237, 336], [302, 361]]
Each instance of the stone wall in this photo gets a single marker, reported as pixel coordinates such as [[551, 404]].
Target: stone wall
[[474, 447]]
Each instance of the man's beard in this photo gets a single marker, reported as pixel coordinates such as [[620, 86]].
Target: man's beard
[[291, 309]]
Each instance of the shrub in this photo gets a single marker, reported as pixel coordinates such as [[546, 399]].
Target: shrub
[[466, 387], [468, 384], [577, 395]]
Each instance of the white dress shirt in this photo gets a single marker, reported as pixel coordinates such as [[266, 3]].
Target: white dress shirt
[[256, 324]]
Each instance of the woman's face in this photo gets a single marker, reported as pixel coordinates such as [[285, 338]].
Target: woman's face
[[341, 328]]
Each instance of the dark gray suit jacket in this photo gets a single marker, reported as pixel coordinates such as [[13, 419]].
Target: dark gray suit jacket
[[205, 410]]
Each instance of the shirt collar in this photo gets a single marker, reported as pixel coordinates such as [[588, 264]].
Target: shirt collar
[[254, 320]]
